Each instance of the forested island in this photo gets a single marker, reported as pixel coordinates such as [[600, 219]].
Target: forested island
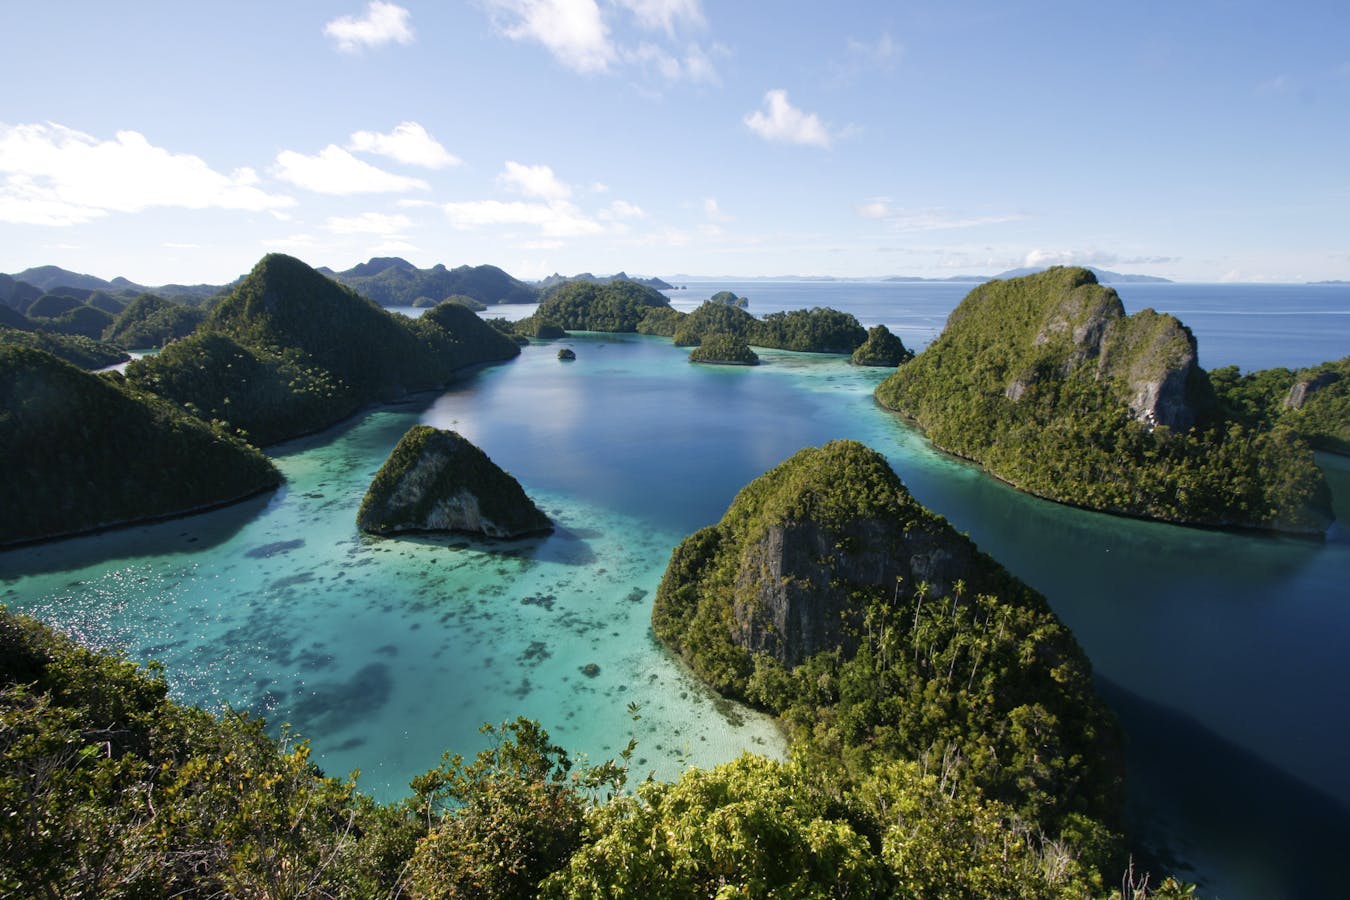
[[950, 745], [947, 738], [84, 452], [626, 306], [437, 480], [1046, 383], [289, 352]]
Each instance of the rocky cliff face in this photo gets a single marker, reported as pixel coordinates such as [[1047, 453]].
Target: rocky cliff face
[[438, 481], [792, 565], [1066, 323]]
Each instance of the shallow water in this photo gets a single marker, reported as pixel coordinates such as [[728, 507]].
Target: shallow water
[[1225, 655]]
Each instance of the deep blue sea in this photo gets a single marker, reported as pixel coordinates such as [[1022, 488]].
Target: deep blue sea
[[1226, 656]]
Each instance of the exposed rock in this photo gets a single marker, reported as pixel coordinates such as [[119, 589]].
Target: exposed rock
[[567, 353], [799, 545], [1306, 387], [436, 480]]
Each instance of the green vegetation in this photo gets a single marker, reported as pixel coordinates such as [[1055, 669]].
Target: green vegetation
[[567, 353], [536, 327], [724, 349], [461, 299], [74, 349], [396, 282], [588, 306], [829, 596], [713, 318], [84, 452], [437, 480], [115, 791], [289, 351], [816, 330], [1313, 402], [881, 349], [1046, 383], [729, 298], [660, 320], [149, 321], [85, 321]]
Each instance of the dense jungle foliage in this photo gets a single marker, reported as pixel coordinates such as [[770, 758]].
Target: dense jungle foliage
[[881, 349], [391, 281], [981, 681], [150, 321], [1313, 402], [289, 351], [115, 791], [84, 451], [1015, 384], [74, 349], [589, 306], [724, 349]]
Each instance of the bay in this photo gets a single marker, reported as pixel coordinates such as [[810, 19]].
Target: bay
[[1224, 655]]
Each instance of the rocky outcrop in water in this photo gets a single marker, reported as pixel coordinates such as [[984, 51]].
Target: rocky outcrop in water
[[436, 480], [784, 570]]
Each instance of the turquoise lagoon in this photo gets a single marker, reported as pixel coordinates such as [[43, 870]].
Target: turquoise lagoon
[[1225, 655]]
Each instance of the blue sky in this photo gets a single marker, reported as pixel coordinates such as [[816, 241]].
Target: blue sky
[[171, 141]]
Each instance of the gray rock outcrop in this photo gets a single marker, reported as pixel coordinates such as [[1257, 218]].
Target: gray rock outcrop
[[437, 480]]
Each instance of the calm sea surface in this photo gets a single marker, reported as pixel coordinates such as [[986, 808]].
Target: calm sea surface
[[1226, 656]]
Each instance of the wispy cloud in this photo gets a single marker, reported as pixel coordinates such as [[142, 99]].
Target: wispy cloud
[[552, 220], [408, 143], [534, 181], [900, 219], [335, 171], [580, 34], [383, 23], [1048, 257], [665, 15], [572, 30], [369, 223], [779, 120], [713, 211], [57, 176]]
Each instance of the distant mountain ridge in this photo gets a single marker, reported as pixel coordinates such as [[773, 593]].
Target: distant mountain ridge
[[1103, 276], [555, 279]]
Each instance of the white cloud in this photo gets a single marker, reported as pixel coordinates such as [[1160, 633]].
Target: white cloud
[[779, 120], [899, 219], [572, 30], [713, 211], [694, 66], [335, 171], [292, 242], [665, 15], [875, 209], [369, 223], [408, 143], [622, 209], [553, 220], [394, 247], [881, 54], [1043, 257], [58, 176], [383, 23], [534, 181]]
